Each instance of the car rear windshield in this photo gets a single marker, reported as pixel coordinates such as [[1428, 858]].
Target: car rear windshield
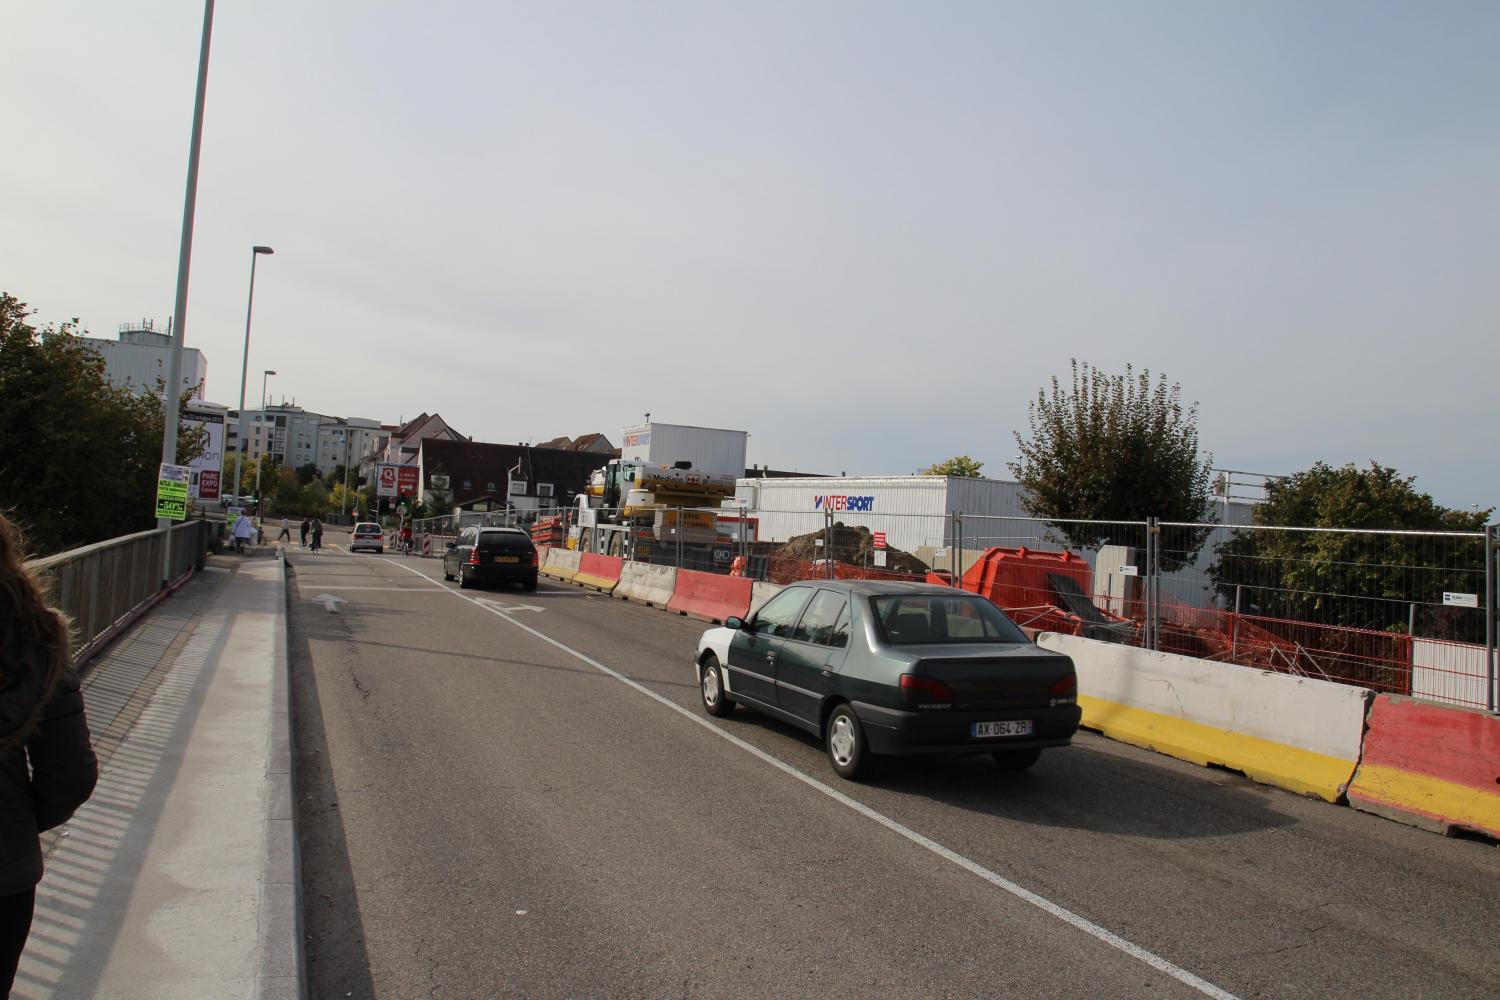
[[504, 541], [908, 619], [367, 529]]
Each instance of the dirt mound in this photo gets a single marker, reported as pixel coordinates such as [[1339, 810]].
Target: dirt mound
[[852, 544]]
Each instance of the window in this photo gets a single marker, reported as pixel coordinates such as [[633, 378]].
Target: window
[[817, 623], [923, 619], [490, 487], [780, 612], [544, 489], [468, 485]]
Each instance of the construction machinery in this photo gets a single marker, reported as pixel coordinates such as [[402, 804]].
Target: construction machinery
[[633, 508]]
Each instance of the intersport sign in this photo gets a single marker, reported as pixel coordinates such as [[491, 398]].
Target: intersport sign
[[844, 503]]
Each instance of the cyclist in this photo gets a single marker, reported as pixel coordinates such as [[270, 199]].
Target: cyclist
[[406, 539]]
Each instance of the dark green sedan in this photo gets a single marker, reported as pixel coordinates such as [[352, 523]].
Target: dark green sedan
[[873, 667]]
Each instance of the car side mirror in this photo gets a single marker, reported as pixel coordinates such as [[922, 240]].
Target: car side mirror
[[736, 622], [452, 545]]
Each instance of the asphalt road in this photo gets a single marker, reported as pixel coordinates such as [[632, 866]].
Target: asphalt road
[[513, 794]]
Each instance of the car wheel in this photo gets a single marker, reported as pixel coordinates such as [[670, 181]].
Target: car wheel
[[463, 579], [529, 584], [716, 700], [845, 742], [446, 575], [1016, 760]]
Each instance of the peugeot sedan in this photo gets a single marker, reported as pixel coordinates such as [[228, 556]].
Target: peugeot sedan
[[876, 667]]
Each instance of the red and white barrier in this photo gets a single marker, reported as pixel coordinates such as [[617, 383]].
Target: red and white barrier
[[1433, 766], [710, 596]]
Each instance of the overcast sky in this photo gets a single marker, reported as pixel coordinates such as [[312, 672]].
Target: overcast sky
[[865, 232]]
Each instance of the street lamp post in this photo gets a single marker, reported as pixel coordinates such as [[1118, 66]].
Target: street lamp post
[[239, 453], [263, 377], [348, 432]]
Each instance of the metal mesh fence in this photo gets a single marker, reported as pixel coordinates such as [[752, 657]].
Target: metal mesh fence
[[1396, 611]]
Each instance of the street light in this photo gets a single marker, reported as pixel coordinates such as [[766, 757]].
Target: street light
[[263, 377], [239, 453]]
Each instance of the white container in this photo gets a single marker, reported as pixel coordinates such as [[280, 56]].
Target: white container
[[913, 511], [710, 449]]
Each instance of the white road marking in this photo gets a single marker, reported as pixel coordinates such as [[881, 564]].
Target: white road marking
[[973, 867], [331, 602], [401, 590]]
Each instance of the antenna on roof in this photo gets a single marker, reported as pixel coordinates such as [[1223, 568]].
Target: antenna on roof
[[648, 416]]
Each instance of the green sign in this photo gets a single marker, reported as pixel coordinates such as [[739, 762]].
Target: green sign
[[172, 491]]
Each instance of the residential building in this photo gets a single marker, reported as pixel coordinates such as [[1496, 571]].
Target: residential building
[[142, 357], [596, 443], [404, 442], [347, 440], [283, 429], [487, 476]]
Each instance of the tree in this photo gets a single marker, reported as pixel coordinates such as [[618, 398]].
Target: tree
[[1115, 448], [307, 473], [80, 457], [959, 465], [1348, 578]]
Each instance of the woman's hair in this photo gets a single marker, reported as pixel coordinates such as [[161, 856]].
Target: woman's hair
[[27, 626]]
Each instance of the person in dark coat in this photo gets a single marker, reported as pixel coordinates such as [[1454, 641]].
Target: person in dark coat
[[317, 533], [47, 765], [304, 529]]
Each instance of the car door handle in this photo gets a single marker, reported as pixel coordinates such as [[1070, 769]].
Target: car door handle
[[770, 657], [828, 673]]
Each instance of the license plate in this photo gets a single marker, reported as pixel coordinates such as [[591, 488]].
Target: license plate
[[1015, 727], [507, 559]]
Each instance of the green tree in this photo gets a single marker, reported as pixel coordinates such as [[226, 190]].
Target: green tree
[[307, 473], [1115, 448], [80, 457], [1348, 578], [958, 465]]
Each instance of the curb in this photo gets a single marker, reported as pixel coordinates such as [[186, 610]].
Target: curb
[[283, 965]]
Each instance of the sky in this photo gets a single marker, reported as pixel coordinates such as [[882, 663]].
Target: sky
[[868, 233]]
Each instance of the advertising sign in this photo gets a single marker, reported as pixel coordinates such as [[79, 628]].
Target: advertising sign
[[406, 480], [172, 491], [438, 482], [878, 539], [385, 480], [208, 467]]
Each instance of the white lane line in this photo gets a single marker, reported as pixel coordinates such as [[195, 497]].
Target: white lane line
[[402, 590], [999, 881]]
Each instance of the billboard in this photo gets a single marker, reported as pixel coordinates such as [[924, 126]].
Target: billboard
[[396, 480], [207, 468]]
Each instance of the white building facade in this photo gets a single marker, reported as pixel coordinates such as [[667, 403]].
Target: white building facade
[[141, 359]]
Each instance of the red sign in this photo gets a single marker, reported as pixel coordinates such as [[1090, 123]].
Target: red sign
[[208, 484], [879, 539], [406, 481]]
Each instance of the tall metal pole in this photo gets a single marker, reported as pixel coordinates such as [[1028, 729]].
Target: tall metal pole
[[1491, 538], [239, 452], [184, 258], [345, 510], [263, 377]]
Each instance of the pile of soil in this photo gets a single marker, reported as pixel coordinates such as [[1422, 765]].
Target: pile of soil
[[852, 544]]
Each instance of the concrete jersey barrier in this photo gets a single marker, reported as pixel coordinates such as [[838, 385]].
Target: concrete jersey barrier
[[562, 564], [647, 584], [1430, 765], [710, 596], [1296, 733], [602, 573]]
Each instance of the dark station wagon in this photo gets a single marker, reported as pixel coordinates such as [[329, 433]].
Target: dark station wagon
[[491, 555], [876, 667]]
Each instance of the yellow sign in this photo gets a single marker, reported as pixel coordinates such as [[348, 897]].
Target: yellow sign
[[172, 491]]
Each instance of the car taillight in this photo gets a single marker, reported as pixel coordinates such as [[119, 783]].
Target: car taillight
[[473, 557], [1065, 690], [534, 559], [925, 690]]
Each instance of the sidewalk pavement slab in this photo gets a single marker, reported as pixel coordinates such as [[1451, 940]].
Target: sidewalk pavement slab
[[179, 878]]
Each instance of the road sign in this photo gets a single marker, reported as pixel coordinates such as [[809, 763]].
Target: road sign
[[172, 491], [438, 482], [879, 539], [406, 480]]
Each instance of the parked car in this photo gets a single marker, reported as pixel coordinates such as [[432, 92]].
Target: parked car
[[367, 535], [876, 667], [491, 555]]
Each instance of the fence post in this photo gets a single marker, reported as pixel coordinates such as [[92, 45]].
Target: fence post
[[958, 544], [1234, 633], [828, 572], [1491, 534], [1153, 581]]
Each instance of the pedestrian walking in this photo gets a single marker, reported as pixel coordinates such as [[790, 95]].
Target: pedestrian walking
[[47, 768], [286, 531], [317, 534], [303, 529], [244, 530]]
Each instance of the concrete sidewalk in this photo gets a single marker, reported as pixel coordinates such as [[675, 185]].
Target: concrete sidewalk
[[179, 877]]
